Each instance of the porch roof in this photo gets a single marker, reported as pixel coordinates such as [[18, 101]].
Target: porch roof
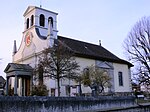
[[13, 69]]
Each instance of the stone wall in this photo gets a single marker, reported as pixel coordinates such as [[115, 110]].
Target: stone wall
[[62, 104]]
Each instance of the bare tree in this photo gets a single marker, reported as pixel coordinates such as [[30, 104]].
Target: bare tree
[[39, 88], [96, 78], [58, 62], [137, 45]]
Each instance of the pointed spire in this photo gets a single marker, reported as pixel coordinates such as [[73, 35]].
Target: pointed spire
[[14, 48]]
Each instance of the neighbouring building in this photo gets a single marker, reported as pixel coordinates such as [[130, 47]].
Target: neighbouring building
[[40, 30], [2, 84]]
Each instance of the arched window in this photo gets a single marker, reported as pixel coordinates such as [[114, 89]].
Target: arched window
[[27, 23], [42, 20], [120, 77], [51, 20], [32, 20]]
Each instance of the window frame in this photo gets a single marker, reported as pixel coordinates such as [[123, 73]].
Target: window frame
[[42, 20], [27, 23], [120, 78], [32, 20]]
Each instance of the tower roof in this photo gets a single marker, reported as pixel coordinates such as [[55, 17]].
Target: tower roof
[[30, 8]]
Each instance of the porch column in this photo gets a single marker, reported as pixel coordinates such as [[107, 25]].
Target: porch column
[[31, 84], [15, 86], [21, 87], [7, 85]]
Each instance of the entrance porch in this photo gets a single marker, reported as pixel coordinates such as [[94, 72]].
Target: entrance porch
[[18, 79]]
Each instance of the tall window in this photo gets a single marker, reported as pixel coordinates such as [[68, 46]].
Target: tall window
[[120, 77], [51, 20], [27, 23], [42, 20], [32, 20]]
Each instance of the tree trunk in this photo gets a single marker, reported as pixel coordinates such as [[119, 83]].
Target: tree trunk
[[58, 86], [102, 89], [80, 90]]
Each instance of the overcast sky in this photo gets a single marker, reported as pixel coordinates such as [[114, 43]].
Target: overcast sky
[[85, 20]]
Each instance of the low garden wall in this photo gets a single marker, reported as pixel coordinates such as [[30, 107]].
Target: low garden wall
[[62, 104]]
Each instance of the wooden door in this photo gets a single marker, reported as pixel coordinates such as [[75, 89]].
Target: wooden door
[[27, 90]]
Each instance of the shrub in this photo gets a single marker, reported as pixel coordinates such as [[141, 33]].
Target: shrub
[[39, 90]]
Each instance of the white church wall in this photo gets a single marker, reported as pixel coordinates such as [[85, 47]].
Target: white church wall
[[36, 47], [63, 91], [86, 89], [40, 43], [50, 83], [84, 62], [126, 79]]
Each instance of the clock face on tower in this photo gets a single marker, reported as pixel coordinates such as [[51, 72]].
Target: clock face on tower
[[28, 39]]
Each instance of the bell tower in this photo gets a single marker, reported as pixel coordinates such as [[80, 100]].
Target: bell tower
[[40, 31], [43, 21]]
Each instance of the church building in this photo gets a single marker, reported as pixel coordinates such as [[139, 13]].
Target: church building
[[40, 30]]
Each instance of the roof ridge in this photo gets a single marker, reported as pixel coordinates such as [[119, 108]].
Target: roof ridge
[[78, 40]]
